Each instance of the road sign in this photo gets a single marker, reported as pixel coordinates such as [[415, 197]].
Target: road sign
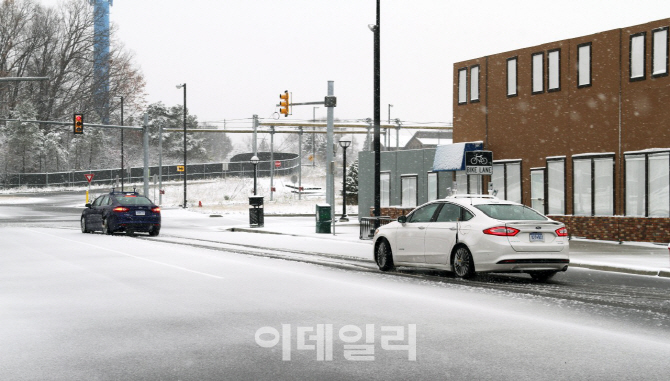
[[277, 163], [479, 163], [180, 168], [89, 177]]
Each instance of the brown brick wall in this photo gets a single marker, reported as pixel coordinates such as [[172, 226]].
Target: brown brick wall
[[618, 228], [393, 212]]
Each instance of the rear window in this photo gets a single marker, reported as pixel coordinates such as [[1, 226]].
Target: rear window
[[510, 212], [133, 200]]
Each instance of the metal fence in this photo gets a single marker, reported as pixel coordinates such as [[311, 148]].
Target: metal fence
[[367, 225], [135, 174]]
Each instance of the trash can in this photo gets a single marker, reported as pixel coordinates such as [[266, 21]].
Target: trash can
[[256, 216], [323, 218]]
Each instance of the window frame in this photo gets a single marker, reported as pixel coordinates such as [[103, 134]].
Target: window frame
[[464, 86], [653, 50], [591, 159], [546, 179], [516, 77], [505, 178], [532, 73], [644, 57], [558, 68], [416, 190], [645, 158], [590, 72], [381, 192], [472, 83], [437, 185]]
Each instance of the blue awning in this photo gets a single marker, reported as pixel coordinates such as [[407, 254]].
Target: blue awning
[[451, 157]]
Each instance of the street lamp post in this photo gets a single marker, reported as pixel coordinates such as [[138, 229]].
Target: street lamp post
[[121, 144], [254, 160], [183, 85], [377, 173], [387, 135], [344, 143]]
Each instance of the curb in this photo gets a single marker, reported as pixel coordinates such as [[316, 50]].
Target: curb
[[623, 270], [660, 273]]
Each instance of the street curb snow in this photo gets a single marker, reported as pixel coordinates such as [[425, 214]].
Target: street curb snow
[[661, 273]]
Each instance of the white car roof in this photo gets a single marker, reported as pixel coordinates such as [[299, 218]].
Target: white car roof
[[477, 199]]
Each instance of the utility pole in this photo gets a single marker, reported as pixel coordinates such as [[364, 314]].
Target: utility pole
[[330, 192], [377, 211], [146, 154]]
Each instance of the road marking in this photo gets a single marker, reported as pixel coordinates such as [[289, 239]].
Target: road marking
[[136, 257]]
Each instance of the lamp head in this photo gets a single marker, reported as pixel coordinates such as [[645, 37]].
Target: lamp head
[[373, 27], [254, 160], [180, 86], [345, 143]]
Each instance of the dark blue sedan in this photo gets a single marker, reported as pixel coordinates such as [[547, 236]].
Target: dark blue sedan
[[121, 212]]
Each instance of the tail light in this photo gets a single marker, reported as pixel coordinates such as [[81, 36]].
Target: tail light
[[562, 232], [120, 209], [502, 231], [156, 209]]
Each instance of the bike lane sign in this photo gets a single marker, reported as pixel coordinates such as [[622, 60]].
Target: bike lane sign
[[479, 162]]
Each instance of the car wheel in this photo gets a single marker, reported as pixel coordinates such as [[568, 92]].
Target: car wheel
[[83, 225], [542, 276], [105, 227], [464, 266], [383, 256], [154, 232]]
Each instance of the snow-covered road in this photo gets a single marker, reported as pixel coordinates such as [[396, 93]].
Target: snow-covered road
[[89, 306]]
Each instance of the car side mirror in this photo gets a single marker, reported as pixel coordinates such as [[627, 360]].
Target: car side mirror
[[88, 205], [402, 219]]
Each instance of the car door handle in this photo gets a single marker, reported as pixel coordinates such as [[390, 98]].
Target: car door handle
[[453, 228], [421, 227]]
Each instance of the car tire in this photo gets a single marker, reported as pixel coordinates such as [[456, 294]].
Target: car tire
[[154, 232], [542, 276], [105, 227], [83, 225], [383, 256], [463, 264]]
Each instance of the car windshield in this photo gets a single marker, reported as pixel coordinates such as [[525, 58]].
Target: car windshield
[[133, 200], [510, 212]]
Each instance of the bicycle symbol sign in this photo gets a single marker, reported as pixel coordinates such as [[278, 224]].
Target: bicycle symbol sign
[[479, 162]]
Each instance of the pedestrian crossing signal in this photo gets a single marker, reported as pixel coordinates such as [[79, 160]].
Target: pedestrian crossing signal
[[78, 124]]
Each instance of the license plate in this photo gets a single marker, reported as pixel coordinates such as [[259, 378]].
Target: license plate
[[536, 237], [141, 213]]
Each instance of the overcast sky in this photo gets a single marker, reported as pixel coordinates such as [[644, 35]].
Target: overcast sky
[[237, 56]]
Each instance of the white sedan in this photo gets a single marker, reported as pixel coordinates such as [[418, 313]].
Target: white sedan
[[474, 233]]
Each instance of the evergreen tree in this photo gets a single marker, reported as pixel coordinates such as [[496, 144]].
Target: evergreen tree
[[351, 183]]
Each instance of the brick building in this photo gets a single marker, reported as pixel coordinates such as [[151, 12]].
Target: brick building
[[579, 128]]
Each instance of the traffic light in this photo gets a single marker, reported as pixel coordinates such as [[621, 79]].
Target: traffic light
[[284, 103], [78, 124]]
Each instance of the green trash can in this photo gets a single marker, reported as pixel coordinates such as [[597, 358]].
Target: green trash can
[[323, 218]]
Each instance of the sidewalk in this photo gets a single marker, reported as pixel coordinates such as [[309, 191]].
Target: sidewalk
[[630, 257]]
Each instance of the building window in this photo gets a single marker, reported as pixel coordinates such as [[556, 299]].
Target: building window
[[648, 184], [658, 187], [408, 191], [461, 182], [637, 56], [660, 52], [554, 69], [385, 189], [432, 186], [462, 86], [635, 185], [474, 83], [584, 65], [593, 186], [556, 186], [506, 180], [538, 73], [537, 189], [511, 77]]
